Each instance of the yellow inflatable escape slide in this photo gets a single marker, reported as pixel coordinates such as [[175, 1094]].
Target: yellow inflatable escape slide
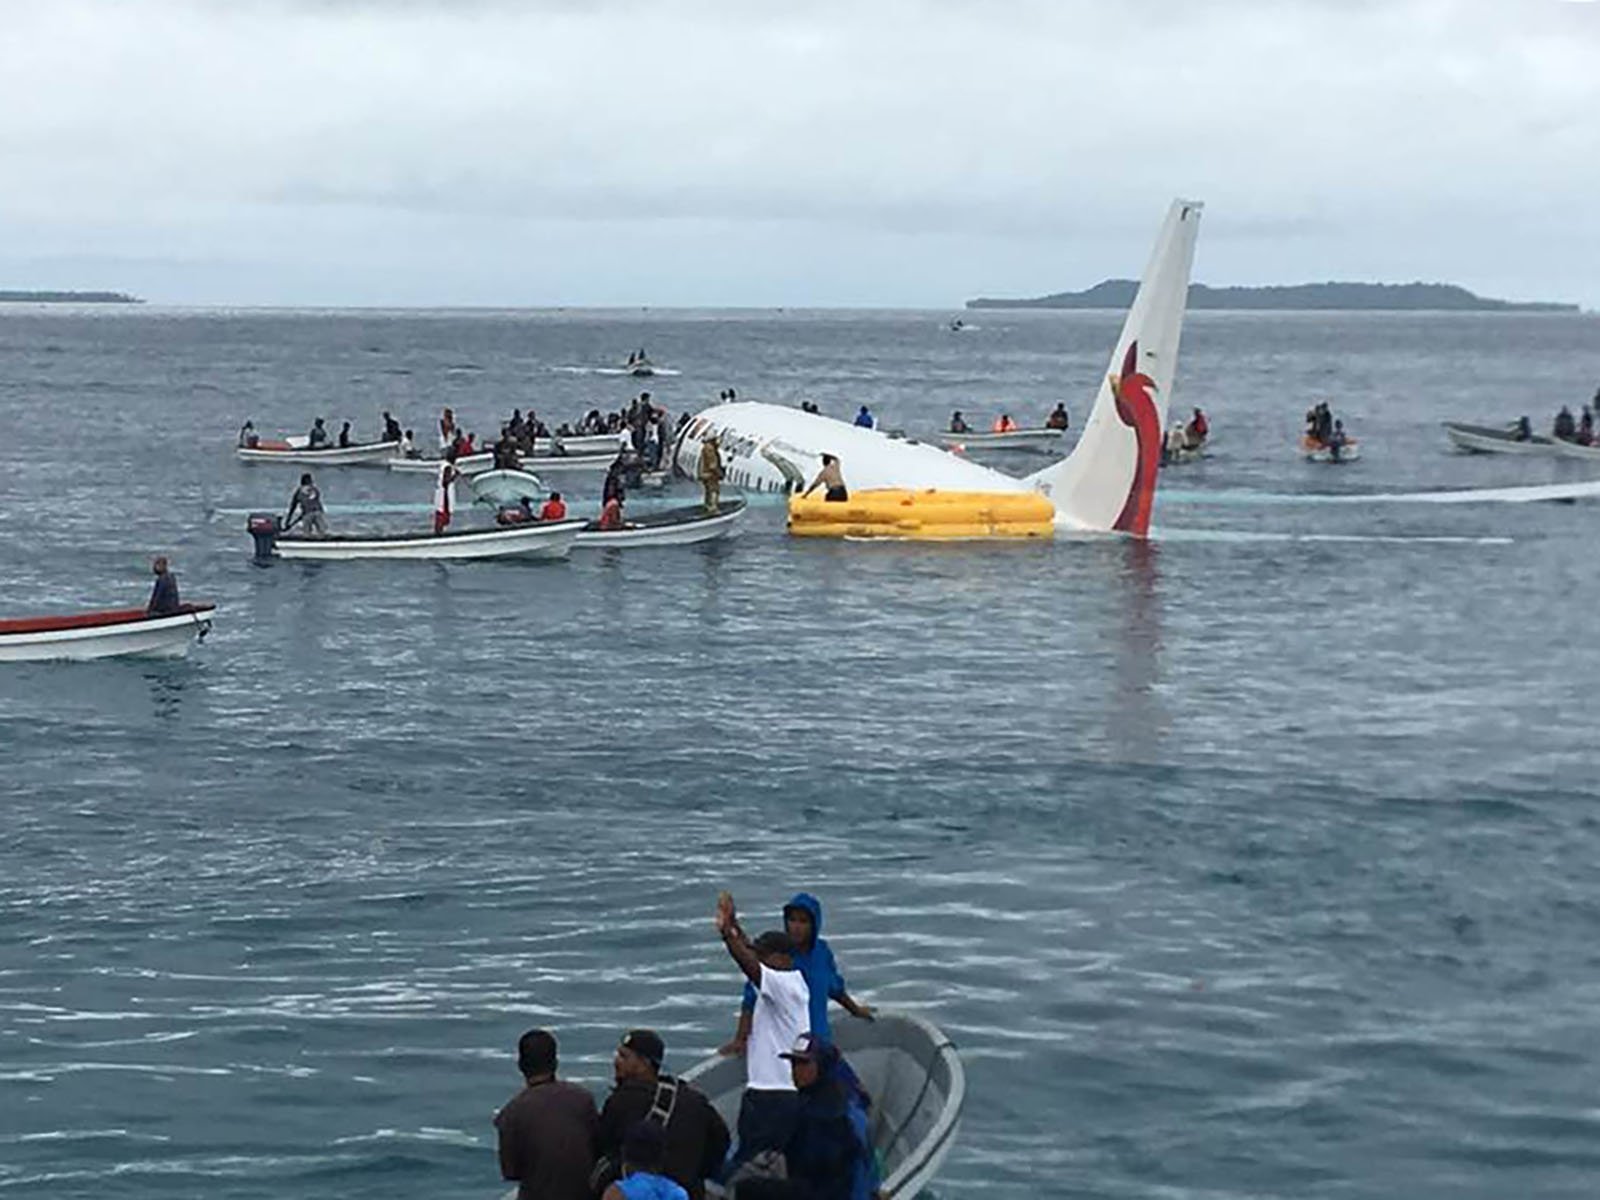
[[927, 515]]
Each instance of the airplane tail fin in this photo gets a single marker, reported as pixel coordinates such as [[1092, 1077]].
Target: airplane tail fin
[[1108, 482]]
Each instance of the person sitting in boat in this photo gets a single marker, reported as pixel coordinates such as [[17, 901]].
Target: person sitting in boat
[[391, 429], [408, 446], [520, 513], [344, 436], [554, 509], [318, 438], [1197, 430], [958, 423], [307, 504], [1565, 427], [1524, 431], [1004, 424], [615, 485], [1336, 441], [164, 600], [829, 1152], [694, 1136], [632, 358], [506, 457], [611, 515], [864, 418], [248, 437], [1058, 417], [447, 430], [831, 478]]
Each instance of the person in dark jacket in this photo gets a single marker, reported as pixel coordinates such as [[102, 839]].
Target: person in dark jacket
[[547, 1130], [164, 600], [813, 958], [828, 1155], [696, 1136]]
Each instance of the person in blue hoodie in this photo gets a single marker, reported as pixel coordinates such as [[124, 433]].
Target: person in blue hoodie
[[813, 958]]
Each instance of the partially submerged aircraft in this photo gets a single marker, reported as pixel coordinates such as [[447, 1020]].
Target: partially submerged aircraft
[[1108, 482]]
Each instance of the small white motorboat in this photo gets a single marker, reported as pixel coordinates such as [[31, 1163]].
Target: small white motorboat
[[916, 1081], [368, 453], [639, 367], [506, 487], [573, 464], [1045, 440], [467, 464], [582, 443], [1566, 449], [669, 527], [1486, 439], [109, 633], [550, 539]]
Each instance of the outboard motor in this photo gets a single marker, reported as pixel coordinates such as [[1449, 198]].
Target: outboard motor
[[264, 528]]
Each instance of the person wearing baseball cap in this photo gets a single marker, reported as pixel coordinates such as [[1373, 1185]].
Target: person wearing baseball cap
[[828, 1155], [783, 1002], [695, 1137]]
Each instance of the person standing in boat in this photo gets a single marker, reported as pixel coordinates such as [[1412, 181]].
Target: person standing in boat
[[164, 600], [447, 430], [248, 438], [710, 472], [830, 478], [408, 446], [344, 436], [318, 438], [391, 429], [813, 958], [444, 493], [547, 1131], [307, 503], [768, 1108], [695, 1135]]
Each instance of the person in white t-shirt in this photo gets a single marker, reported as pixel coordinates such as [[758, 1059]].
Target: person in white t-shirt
[[770, 1103]]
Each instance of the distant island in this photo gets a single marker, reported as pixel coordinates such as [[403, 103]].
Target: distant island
[[68, 298], [1412, 297]]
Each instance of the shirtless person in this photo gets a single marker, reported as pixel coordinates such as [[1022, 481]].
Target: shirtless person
[[831, 479], [307, 501]]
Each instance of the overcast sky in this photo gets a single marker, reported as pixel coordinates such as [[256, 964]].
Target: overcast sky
[[859, 152]]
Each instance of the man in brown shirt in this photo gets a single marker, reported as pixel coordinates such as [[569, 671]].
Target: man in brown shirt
[[547, 1130]]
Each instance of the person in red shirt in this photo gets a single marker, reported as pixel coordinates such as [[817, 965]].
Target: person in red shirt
[[555, 508]]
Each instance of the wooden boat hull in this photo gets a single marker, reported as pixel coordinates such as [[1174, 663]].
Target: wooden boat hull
[[368, 454], [115, 633], [549, 540], [1042, 440], [673, 527], [916, 1081]]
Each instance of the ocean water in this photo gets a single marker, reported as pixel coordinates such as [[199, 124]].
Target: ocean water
[[1256, 860]]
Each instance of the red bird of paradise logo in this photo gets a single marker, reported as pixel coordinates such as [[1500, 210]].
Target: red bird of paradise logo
[[1137, 409]]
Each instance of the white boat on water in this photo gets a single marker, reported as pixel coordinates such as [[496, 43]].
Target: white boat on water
[[467, 464], [109, 633], [551, 539], [573, 464], [1486, 439], [582, 443], [1043, 440], [670, 527], [1320, 452], [639, 367], [506, 487], [373, 453], [916, 1081]]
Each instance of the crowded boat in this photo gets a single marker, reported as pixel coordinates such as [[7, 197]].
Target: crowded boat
[[1325, 439]]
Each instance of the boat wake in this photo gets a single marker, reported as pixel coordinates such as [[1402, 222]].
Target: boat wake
[[1244, 536], [667, 371], [1529, 494]]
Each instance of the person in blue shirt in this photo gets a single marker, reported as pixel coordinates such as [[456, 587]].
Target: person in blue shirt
[[813, 958], [864, 418], [643, 1150]]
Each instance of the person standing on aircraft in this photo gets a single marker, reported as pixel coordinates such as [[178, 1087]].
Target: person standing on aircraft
[[865, 419], [710, 472], [307, 501], [770, 1103], [831, 478], [1058, 417]]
